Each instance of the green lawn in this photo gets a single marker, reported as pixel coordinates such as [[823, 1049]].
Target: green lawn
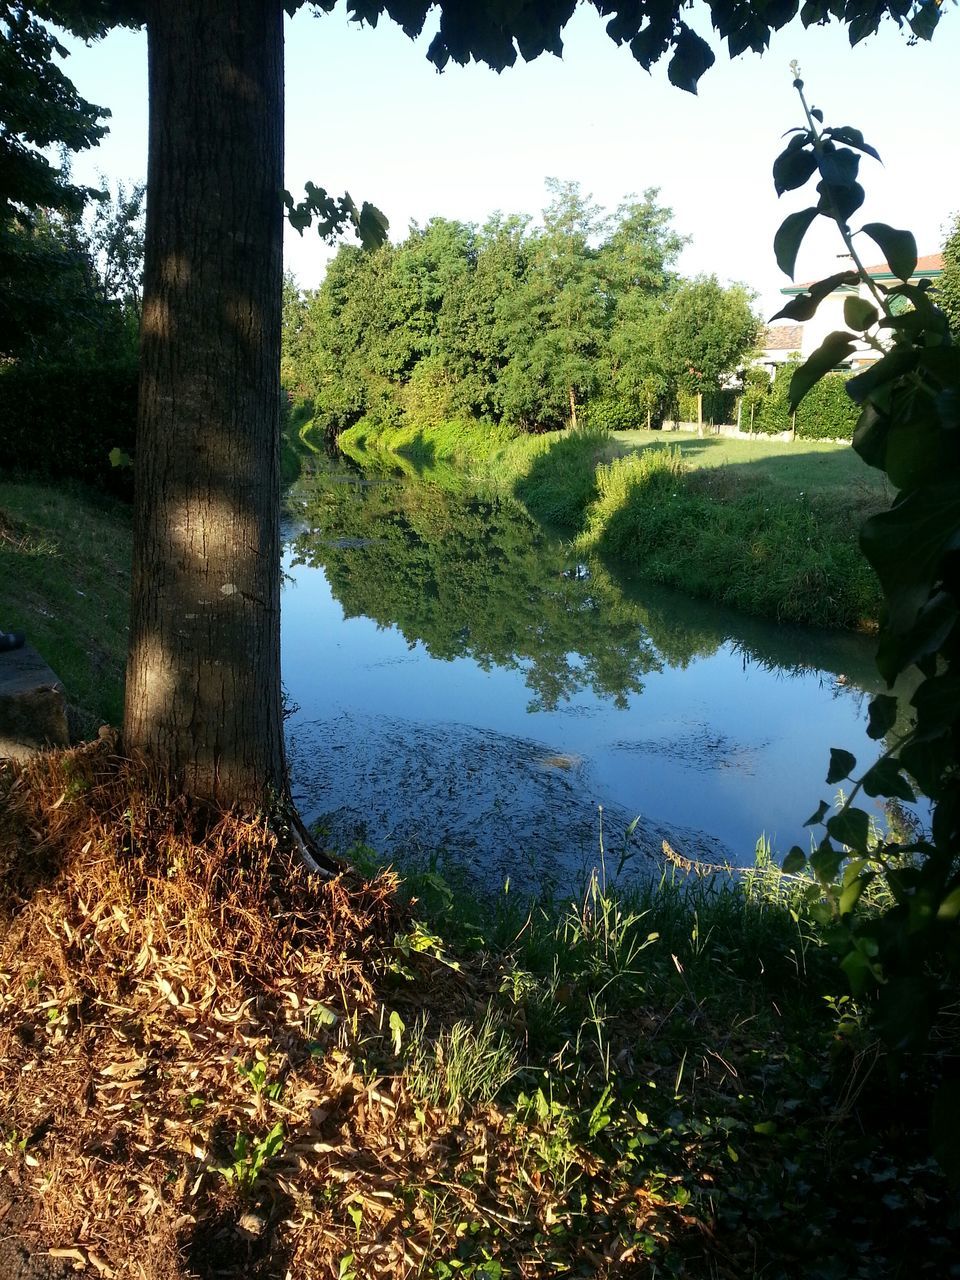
[[64, 581], [807, 465]]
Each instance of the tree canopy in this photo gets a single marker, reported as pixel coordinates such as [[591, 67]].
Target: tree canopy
[[514, 323]]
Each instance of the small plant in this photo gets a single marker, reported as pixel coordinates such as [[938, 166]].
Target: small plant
[[465, 1063], [249, 1158], [256, 1075]]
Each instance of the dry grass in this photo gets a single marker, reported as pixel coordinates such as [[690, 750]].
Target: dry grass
[[169, 982]]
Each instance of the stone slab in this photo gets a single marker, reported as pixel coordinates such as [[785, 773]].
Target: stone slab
[[33, 705]]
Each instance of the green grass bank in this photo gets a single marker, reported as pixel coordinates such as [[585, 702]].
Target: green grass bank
[[64, 582], [764, 526]]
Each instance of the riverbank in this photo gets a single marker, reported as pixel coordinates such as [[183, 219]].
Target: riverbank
[[212, 1066], [64, 582], [766, 527]]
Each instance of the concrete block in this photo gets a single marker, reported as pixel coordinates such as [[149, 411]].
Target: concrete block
[[33, 705]]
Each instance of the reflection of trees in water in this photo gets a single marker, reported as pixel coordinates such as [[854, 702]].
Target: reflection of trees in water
[[471, 575], [475, 577]]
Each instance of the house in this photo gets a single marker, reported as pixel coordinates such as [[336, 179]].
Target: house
[[829, 316], [777, 343]]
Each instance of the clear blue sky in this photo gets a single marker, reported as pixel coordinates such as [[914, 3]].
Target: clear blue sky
[[366, 112]]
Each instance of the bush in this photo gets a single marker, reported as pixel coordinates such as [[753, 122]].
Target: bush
[[63, 420], [826, 412], [612, 415], [773, 412]]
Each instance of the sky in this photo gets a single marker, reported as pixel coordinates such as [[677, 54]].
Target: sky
[[366, 112]]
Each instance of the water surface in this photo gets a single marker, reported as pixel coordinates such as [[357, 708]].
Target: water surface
[[463, 685]]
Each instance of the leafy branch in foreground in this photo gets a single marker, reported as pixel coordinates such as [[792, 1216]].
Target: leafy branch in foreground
[[907, 952]]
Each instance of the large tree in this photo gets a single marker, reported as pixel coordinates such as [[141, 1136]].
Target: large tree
[[203, 686]]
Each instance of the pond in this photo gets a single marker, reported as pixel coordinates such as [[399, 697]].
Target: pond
[[464, 692]]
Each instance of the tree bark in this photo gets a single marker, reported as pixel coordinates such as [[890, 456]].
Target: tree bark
[[203, 675], [573, 409]]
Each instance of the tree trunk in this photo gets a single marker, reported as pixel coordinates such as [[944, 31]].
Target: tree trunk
[[203, 674], [573, 409], [700, 414]]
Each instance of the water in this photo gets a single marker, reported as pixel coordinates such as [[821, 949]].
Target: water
[[466, 690]]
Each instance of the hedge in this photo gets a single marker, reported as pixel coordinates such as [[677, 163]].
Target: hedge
[[826, 412], [63, 420]]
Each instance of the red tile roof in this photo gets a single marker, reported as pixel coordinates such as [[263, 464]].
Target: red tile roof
[[782, 337], [926, 262]]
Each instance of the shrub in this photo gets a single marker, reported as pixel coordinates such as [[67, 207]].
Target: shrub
[[612, 415], [63, 420], [826, 412], [773, 412]]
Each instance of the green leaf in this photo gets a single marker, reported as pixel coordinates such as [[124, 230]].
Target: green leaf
[[832, 351], [852, 828], [870, 434], [793, 167], [789, 237], [898, 247], [766, 1127], [885, 779], [881, 715], [825, 862], [888, 369], [372, 226], [852, 138], [839, 168], [842, 764], [852, 893], [397, 1028], [859, 314], [840, 200], [937, 704], [859, 971], [929, 762], [906, 546], [920, 642], [691, 58], [794, 862], [822, 810], [805, 306], [923, 21]]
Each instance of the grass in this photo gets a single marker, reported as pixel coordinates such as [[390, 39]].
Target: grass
[[765, 526], [754, 545], [64, 582], [811, 466], [211, 1065]]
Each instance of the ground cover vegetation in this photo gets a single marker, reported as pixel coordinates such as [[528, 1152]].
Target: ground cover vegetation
[[214, 1065], [65, 582]]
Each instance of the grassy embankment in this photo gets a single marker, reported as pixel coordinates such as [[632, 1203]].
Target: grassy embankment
[[763, 526], [211, 1067], [64, 580]]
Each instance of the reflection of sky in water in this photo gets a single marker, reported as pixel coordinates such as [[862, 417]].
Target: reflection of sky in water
[[722, 745]]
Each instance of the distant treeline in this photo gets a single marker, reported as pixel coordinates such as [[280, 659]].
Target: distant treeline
[[534, 327]]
